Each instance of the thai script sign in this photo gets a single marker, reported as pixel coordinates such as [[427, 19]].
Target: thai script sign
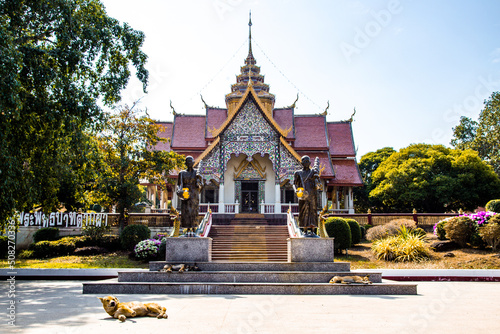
[[62, 219]]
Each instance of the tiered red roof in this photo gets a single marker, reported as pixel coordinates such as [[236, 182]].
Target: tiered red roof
[[284, 118], [215, 118], [341, 140], [189, 133], [312, 135], [166, 133], [346, 173]]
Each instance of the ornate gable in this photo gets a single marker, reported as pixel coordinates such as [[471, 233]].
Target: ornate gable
[[249, 124], [248, 131]]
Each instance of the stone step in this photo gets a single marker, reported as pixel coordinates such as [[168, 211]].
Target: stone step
[[245, 243], [112, 287], [240, 258], [248, 222], [248, 253], [248, 249], [239, 276], [246, 226], [249, 216], [250, 236], [240, 240], [262, 266], [249, 242], [250, 258], [215, 233]]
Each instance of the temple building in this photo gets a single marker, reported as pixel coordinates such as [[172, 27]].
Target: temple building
[[247, 153]]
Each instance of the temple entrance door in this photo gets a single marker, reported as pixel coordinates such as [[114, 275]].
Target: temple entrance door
[[249, 196]]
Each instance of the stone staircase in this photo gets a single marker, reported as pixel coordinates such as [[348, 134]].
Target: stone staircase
[[249, 239], [284, 278]]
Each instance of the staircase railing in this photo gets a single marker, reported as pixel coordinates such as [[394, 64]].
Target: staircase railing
[[206, 224], [321, 223], [293, 229], [177, 223]]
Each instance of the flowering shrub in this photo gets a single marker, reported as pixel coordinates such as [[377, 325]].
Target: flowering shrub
[[481, 217], [160, 237], [491, 234], [147, 249], [460, 229], [439, 228]]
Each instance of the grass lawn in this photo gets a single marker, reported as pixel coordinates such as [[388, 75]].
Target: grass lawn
[[111, 260]]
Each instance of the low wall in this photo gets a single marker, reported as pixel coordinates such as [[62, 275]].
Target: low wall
[[423, 220]]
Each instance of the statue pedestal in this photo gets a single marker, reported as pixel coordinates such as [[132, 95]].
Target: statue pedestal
[[310, 249], [182, 250]]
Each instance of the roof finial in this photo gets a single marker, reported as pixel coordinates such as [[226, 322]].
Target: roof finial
[[250, 32], [250, 59], [352, 116], [294, 102], [173, 110], [324, 113]]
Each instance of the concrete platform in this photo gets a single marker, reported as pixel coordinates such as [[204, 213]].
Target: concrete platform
[[240, 276], [262, 266], [222, 288]]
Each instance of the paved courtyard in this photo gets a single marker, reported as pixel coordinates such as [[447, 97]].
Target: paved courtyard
[[440, 307]]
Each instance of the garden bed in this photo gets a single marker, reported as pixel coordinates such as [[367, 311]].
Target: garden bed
[[362, 257]]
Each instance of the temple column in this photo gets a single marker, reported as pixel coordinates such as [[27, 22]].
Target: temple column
[[346, 198], [174, 200], [351, 200], [221, 198], [337, 201], [277, 197], [324, 198]]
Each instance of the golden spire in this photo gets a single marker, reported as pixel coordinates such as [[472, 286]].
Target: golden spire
[[250, 59]]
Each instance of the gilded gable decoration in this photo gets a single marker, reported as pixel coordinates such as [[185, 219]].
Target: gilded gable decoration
[[250, 170]]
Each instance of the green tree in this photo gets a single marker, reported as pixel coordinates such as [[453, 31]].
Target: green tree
[[128, 156], [367, 165], [59, 60], [433, 178], [482, 136]]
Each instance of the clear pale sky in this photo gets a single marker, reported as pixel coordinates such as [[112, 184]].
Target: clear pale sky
[[410, 68]]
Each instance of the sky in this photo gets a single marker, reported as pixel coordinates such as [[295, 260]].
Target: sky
[[410, 68]]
